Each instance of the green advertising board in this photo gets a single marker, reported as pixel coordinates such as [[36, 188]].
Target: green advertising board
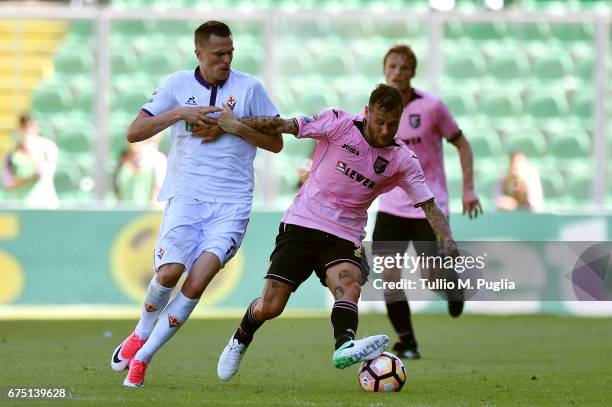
[[62, 263]]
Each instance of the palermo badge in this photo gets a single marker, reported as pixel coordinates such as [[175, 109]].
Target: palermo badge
[[380, 165]]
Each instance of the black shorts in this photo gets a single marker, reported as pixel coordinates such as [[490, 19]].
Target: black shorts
[[391, 228], [299, 251]]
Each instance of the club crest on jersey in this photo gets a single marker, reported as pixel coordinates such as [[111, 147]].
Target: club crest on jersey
[[414, 120], [341, 166], [312, 118], [173, 322], [160, 252], [231, 102], [191, 101], [380, 165], [150, 307]]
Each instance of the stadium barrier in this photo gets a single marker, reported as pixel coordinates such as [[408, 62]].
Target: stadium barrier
[[97, 264]]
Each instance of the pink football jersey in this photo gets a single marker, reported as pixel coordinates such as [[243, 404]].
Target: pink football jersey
[[425, 123], [348, 174]]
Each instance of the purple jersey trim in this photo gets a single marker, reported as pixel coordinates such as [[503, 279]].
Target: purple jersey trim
[[145, 111]]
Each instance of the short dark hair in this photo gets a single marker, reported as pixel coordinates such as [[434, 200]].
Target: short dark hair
[[385, 97], [212, 27], [404, 50], [24, 120]]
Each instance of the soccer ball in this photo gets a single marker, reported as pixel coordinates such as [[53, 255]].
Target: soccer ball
[[382, 374]]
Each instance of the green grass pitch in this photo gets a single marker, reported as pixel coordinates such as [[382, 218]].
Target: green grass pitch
[[472, 361]]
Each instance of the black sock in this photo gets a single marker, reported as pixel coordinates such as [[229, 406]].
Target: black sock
[[399, 314], [248, 326], [344, 319]]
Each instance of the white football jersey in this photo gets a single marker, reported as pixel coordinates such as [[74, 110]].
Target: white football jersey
[[218, 171]]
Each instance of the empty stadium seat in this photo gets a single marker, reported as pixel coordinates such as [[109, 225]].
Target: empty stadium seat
[[553, 184], [507, 67], [546, 106], [552, 67], [487, 184], [528, 140], [294, 64], [484, 31], [581, 106], [334, 63], [67, 178], [84, 98], [354, 100], [131, 28], [460, 103], [484, 141], [51, 99], [572, 32], [248, 61], [160, 63], [129, 100], [569, 143], [529, 32], [500, 104], [73, 61], [123, 61], [585, 69], [74, 140], [579, 186], [465, 66]]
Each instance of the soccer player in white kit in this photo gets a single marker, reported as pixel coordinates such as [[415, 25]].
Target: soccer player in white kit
[[356, 159], [425, 124], [208, 186]]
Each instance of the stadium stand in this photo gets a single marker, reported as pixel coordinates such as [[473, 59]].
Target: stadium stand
[[510, 85]]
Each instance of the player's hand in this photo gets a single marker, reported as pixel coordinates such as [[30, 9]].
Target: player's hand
[[228, 121], [198, 115], [207, 132], [471, 204]]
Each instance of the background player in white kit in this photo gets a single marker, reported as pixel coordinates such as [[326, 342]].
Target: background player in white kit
[[356, 159], [425, 123], [208, 186]]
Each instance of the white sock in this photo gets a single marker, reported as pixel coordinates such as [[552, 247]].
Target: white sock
[[175, 315], [156, 299]]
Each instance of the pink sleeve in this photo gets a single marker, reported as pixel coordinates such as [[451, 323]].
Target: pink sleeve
[[324, 125], [413, 182], [446, 125]]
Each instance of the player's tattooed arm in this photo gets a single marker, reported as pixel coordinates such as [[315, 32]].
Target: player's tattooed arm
[[439, 223], [271, 125], [268, 140]]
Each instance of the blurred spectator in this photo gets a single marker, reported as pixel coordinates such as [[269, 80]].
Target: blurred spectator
[[29, 169], [140, 173], [304, 172], [520, 188]]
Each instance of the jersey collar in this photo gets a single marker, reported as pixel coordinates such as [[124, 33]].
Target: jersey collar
[[414, 97], [360, 124], [205, 83]]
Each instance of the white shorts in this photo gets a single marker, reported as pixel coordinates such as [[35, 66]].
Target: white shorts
[[190, 227]]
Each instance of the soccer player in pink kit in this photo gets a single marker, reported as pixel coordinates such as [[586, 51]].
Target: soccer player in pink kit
[[356, 159], [425, 123]]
